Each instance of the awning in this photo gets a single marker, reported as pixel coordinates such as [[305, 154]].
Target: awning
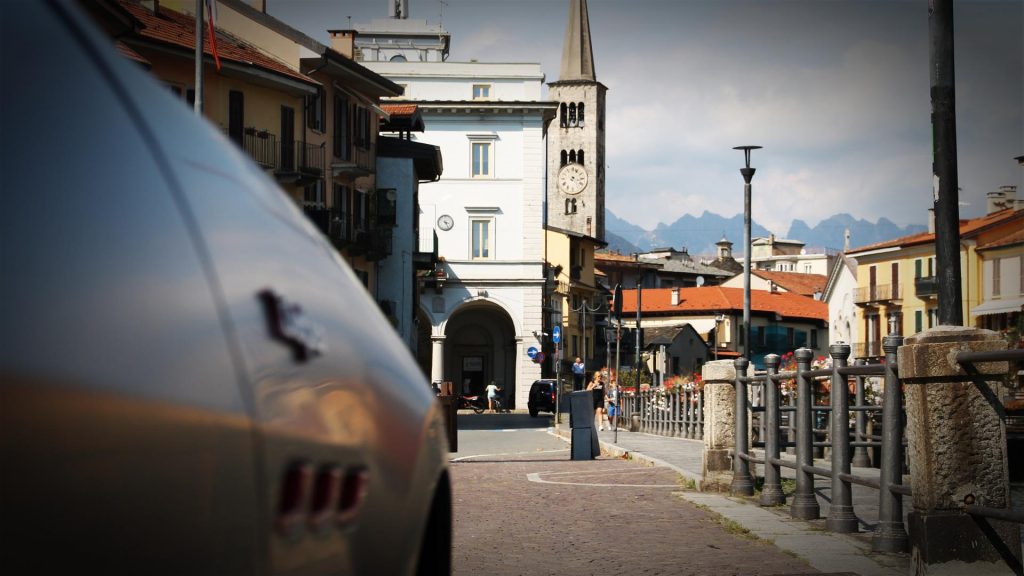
[[1001, 306]]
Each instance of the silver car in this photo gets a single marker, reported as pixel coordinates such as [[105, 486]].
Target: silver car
[[192, 381]]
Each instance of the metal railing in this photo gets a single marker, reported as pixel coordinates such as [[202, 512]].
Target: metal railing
[[311, 157], [878, 293], [261, 145], [926, 286], [890, 534], [677, 412]]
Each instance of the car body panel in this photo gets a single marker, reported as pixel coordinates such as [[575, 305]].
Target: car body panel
[[139, 337]]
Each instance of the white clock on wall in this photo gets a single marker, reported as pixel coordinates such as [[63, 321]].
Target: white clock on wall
[[445, 222], [572, 179]]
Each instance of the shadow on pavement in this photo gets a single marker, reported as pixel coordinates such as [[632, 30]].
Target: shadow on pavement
[[502, 422]]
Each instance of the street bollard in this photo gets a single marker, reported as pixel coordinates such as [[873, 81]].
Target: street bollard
[[805, 504], [771, 492], [840, 514], [742, 481]]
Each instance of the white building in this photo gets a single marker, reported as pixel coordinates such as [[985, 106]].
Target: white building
[[782, 255], [481, 309], [839, 293]]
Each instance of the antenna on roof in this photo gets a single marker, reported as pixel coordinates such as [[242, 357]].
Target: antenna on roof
[[700, 281]]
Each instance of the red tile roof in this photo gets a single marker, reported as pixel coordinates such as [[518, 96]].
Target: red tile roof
[[399, 110], [177, 29], [967, 228], [611, 257], [1014, 237], [131, 54], [716, 299], [805, 284]]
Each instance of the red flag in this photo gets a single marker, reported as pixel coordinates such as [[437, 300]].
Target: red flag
[[213, 34]]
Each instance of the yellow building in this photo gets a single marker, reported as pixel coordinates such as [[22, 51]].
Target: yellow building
[[897, 289], [573, 300]]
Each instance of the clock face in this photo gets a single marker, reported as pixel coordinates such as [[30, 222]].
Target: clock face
[[445, 222], [572, 179]]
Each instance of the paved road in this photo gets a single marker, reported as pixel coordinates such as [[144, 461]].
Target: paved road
[[522, 507]]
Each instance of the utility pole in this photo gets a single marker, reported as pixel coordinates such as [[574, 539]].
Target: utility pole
[[944, 172]]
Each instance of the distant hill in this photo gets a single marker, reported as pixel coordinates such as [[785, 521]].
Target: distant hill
[[698, 234], [830, 231]]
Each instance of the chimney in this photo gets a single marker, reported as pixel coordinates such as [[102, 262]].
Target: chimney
[[1005, 197], [931, 220], [344, 42], [675, 296]]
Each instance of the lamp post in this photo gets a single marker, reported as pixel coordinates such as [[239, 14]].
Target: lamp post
[[748, 175]]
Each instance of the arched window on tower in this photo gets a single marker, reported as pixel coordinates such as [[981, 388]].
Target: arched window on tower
[[572, 156], [579, 114], [565, 158], [579, 157], [570, 205], [562, 117], [572, 114]]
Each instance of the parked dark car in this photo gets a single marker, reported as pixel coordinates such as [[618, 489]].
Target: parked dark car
[[542, 397], [192, 381]]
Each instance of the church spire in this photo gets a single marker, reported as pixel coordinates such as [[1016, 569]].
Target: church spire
[[577, 54]]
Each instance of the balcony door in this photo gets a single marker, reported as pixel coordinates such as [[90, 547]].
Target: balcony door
[[236, 116], [287, 138]]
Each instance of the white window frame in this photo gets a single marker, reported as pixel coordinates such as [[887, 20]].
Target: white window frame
[[482, 91], [488, 141], [489, 227]]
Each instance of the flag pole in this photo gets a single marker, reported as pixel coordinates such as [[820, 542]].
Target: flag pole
[[198, 106]]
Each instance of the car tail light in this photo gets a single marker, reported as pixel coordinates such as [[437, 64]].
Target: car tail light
[[326, 493], [295, 493], [353, 492]]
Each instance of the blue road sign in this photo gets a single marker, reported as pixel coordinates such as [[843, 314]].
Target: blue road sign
[[556, 334], [531, 351]]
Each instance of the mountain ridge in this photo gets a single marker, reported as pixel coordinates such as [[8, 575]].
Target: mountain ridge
[[698, 234]]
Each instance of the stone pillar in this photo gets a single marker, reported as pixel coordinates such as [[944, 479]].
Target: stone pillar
[[957, 446], [437, 362], [719, 424]]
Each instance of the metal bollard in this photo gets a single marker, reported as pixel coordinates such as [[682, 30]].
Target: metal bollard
[[890, 534], [840, 515], [771, 492], [742, 482], [805, 504], [699, 418], [860, 453]]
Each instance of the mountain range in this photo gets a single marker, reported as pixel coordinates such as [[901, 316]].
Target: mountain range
[[698, 234]]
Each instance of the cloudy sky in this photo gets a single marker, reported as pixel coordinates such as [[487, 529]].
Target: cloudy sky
[[837, 92]]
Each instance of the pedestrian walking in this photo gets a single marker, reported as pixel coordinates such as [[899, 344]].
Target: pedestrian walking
[[612, 401], [597, 387], [578, 373]]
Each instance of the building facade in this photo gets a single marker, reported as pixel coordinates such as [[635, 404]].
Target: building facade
[[482, 309], [897, 285]]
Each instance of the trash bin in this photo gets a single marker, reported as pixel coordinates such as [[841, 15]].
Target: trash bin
[[585, 445]]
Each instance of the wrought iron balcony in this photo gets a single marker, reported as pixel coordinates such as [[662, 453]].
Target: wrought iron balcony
[[867, 349], [878, 293], [261, 146], [311, 158], [926, 287]]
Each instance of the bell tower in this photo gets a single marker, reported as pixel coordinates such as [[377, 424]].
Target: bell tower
[[576, 137]]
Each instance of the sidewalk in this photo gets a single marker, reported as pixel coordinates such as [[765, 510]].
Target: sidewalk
[[825, 551]]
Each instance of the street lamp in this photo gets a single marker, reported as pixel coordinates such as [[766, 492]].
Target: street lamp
[[748, 175]]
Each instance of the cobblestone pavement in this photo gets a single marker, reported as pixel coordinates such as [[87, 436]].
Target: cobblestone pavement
[[540, 513]]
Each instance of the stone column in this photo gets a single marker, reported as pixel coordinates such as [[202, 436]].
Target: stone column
[[437, 362], [957, 446], [719, 424]]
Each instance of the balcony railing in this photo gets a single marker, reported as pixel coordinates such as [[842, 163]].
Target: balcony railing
[[926, 287], [261, 145], [867, 349], [311, 158], [878, 293]]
